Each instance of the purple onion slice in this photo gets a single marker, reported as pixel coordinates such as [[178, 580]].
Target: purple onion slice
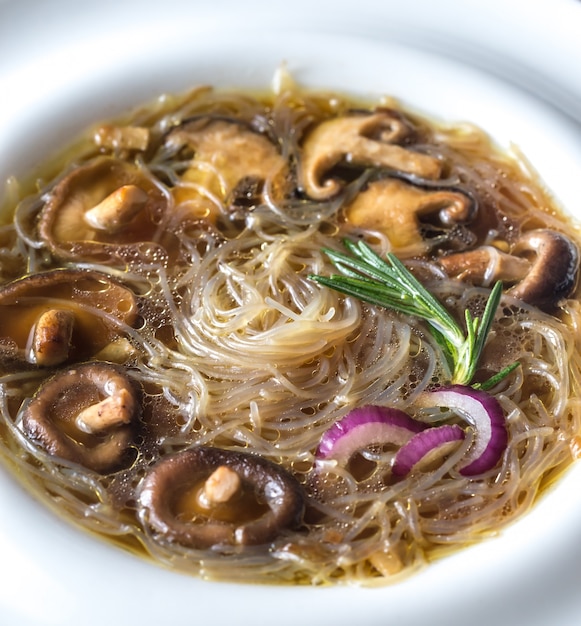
[[485, 414], [366, 426], [425, 445]]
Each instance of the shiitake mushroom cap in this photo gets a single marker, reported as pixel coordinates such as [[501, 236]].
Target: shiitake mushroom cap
[[95, 299], [62, 225], [272, 484]]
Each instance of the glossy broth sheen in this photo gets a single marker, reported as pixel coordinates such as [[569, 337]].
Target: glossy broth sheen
[[227, 343]]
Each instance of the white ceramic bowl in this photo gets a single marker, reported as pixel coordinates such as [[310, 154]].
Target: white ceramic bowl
[[511, 66]]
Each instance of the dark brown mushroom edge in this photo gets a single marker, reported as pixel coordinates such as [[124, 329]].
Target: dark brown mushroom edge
[[233, 167], [61, 316], [87, 415], [171, 365], [214, 498]]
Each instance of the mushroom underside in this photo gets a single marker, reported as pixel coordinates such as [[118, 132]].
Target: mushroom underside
[[554, 272], [232, 167], [368, 140], [59, 316], [277, 499]]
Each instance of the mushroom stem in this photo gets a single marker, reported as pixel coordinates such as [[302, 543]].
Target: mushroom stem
[[220, 487], [117, 351], [276, 500], [114, 410], [122, 137], [117, 209], [51, 337]]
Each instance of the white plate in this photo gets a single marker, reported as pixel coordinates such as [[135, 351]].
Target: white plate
[[510, 66]]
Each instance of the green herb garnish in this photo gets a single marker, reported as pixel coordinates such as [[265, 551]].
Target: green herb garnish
[[390, 284]]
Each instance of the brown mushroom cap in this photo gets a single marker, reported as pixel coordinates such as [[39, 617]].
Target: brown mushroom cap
[[24, 302], [543, 263], [271, 500], [394, 207], [367, 140], [555, 268], [50, 419], [229, 158], [69, 234], [485, 265]]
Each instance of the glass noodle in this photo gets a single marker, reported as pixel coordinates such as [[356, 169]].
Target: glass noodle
[[236, 347]]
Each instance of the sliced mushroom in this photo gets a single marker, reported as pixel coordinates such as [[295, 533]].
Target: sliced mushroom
[[367, 140], [543, 263], [227, 154], [86, 415], [114, 410], [100, 208], [395, 207], [63, 315], [208, 497], [485, 265], [221, 486], [119, 350], [555, 268]]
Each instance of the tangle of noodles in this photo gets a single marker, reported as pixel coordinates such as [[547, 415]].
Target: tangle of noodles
[[237, 348]]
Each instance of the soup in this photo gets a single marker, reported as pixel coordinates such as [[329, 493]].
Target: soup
[[288, 337]]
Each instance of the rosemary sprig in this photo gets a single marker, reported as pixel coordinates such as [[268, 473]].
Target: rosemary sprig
[[390, 284], [496, 378]]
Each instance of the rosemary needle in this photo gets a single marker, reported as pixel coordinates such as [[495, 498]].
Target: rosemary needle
[[388, 283]]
